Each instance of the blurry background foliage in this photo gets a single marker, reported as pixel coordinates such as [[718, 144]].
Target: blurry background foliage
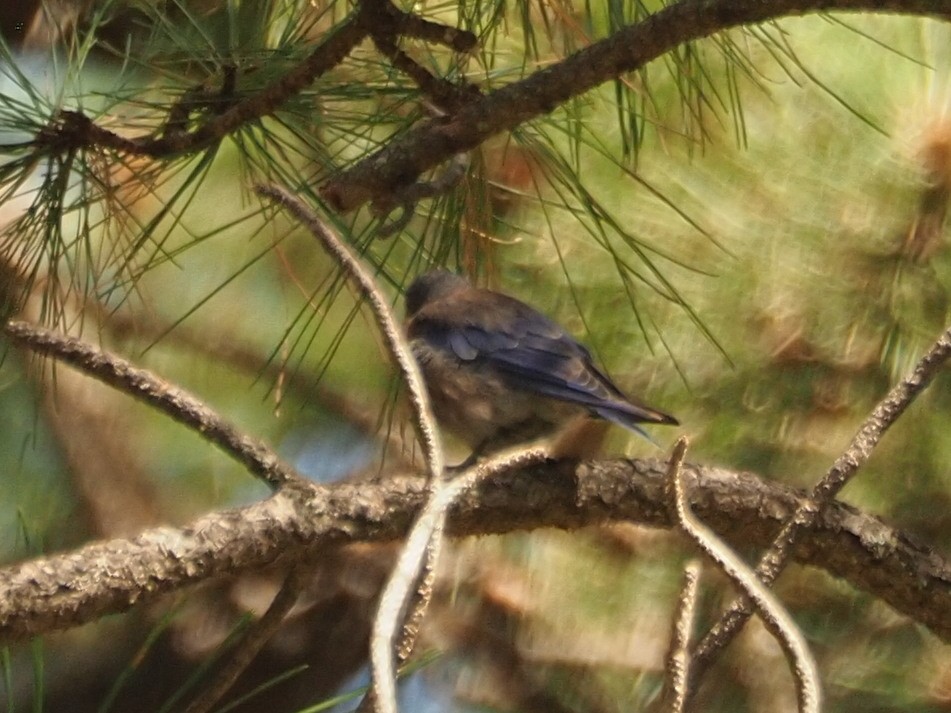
[[750, 234]]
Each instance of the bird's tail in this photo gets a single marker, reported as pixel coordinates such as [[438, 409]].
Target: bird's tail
[[630, 416]]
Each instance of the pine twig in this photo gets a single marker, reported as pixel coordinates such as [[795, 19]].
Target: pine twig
[[381, 654], [73, 129], [678, 657], [771, 611], [423, 418], [774, 560], [173, 401]]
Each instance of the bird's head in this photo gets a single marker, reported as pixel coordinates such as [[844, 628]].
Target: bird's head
[[432, 286]]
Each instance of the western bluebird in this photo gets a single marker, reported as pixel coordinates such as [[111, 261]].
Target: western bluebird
[[500, 373]]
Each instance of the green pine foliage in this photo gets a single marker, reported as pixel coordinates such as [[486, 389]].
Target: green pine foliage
[[749, 233]]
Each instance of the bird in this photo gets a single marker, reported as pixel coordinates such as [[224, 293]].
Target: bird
[[500, 373]]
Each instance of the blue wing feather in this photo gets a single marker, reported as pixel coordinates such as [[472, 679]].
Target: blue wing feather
[[528, 350]]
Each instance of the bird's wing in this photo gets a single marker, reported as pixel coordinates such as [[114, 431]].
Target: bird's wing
[[562, 369], [530, 351]]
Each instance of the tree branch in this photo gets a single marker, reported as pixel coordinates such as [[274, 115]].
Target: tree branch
[[773, 561], [770, 609], [433, 142], [75, 129], [145, 386], [677, 664], [423, 419], [429, 530], [63, 591], [409, 589]]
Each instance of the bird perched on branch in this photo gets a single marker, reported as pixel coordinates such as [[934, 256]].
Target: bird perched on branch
[[500, 373]]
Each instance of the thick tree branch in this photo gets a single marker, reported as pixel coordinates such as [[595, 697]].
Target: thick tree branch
[[62, 591], [403, 160]]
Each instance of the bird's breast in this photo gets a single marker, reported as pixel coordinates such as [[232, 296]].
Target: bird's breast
[[474, 402]]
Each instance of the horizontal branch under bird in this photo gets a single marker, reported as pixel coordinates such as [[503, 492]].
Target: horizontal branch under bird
[[66, 590]]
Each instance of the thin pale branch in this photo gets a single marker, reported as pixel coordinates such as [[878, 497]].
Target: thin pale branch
[[774, 560], [423, 419], [62, 591], [431, 143], [423, 556], [678, 657], [771, 611], [249, 646], [417, 561], [171, 400]]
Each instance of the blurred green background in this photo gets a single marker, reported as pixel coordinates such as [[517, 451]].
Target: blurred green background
[[749, 233]]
